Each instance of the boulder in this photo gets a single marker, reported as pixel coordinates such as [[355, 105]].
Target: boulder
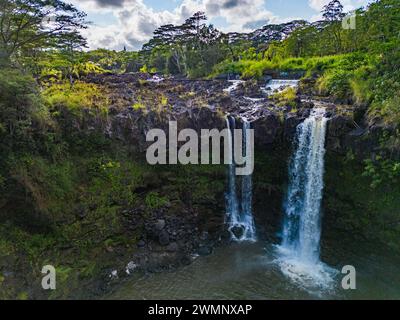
[[205, 250], [163, 238]]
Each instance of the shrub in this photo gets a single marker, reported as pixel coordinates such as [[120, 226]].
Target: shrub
[[286, 98], [154, 201], [75, 98], [335, 83], [22, 113]]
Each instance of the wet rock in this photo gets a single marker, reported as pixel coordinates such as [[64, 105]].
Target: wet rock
[[130, 267], [205, 250], [172, 247], [186, 260], [291, 123], [204, 236], [358, 132], [160, 224], [163, 238], [339, 126], [225, 235], [141, 244], [266, 129], [249, 88], [307, 104], [113, 275], [237, 231]]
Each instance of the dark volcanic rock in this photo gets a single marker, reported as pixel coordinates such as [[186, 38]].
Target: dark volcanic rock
[[160, 224], [205, 250], [291, 123], [267, 129], [237, 231], [338, 128], [172, 247], [163, 238]]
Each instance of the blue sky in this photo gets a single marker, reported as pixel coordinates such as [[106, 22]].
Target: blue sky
[[130, 23]]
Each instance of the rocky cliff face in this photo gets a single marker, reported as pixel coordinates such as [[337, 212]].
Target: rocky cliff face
[[138, 105], [205, 104], [180, 210]]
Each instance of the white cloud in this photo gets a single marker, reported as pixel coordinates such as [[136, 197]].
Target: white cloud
[[108, 37], [133, 22], [136, 21], [239, 13]]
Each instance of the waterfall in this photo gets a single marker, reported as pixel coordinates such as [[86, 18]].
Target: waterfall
[[247, 193], [239, 215], [301, 234], [232, 199], [302, 230]]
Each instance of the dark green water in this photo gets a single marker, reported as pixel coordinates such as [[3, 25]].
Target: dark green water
[[251, 271]]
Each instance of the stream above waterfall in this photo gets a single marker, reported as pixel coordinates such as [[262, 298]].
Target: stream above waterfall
[[250, 271]]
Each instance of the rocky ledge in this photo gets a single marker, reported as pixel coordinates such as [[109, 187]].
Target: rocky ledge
[[140, 102], [173, 236]]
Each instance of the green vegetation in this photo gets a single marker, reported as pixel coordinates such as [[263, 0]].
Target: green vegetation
[[80, 96], [352, 204], [359, 65], [67, 190], [286, 98]]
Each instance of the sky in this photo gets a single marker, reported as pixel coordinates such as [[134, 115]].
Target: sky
[[116, 24]]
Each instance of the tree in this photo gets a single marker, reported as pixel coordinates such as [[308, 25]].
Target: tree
[[193, 27], [27, 25], [188, 49], [333, 12]]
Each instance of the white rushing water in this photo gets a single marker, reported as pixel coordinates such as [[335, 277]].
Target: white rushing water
[[239, 213], [234, 85], [279, 85], [156, 79], [300, 247], [232, 205]]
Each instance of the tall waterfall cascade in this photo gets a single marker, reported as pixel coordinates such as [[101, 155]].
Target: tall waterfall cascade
[[300, 248], [239, 215], [302, 230]]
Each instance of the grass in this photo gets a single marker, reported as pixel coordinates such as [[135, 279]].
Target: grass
[[76, 98], [286, 97], [311, 65], [362, 78]]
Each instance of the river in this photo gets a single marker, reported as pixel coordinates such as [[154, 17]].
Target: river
[[250, 271]]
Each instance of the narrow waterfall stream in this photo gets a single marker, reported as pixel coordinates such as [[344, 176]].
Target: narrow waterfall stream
[[302, 225], [239, 214], [232, 205]]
